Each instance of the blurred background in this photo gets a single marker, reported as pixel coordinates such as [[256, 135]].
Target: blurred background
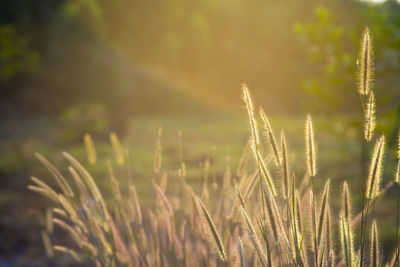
[[130, 66]]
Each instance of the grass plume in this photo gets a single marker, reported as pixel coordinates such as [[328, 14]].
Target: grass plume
[[310, 149], [365, 63], [375, 170]]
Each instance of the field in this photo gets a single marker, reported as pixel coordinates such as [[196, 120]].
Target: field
[[219, 138]]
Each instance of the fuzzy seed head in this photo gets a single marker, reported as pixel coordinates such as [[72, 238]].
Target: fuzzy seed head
[[366, 65], [310, 149], [375, 170], [250, 110], [90, 149], [369, 117]]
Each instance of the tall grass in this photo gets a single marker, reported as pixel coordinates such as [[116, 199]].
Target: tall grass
[[249, 222]]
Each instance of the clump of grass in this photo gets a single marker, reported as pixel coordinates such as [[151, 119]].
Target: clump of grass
[[214, 227]]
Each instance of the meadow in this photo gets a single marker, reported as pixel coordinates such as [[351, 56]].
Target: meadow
[[206, 133], [213, 137], [264, 206]]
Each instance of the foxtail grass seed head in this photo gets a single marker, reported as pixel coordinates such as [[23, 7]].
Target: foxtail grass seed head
[[250, 110], [374, 246], [61, 181], [346, 240], [310, 149], [375, 170], [270, 136], [163, 198], [118, 151], [346, 202], [285, 167], [267, 178], [365, 65], [259, 249], [90, 149], [158, 153], [322, 213], [217, 241], [369, 117]]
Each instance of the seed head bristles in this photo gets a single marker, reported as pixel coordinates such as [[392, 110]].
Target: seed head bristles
[[241, 199], [216, 238], [375, 170], [158, 153], [90, 149], [369, 117], [266, 175], [322, 213], [346, 239], [271, 216], [366, 65], [294, 223], [397, 176], [374, 246], [247, 219], [276, 219], [270, 136], [258, 248], [250, 110], [242, 257], [118, 151], [346, 203], [163, 198], [66, 189], [285, 167], [310, 149]]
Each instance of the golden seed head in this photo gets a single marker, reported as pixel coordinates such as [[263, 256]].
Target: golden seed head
[[375, 169], [366, 65]]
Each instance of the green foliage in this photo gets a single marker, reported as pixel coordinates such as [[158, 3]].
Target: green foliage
[[324, 39], [16, 56]]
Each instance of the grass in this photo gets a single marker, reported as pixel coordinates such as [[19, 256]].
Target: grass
[[186, 226], [157, 208], [336, 137]]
